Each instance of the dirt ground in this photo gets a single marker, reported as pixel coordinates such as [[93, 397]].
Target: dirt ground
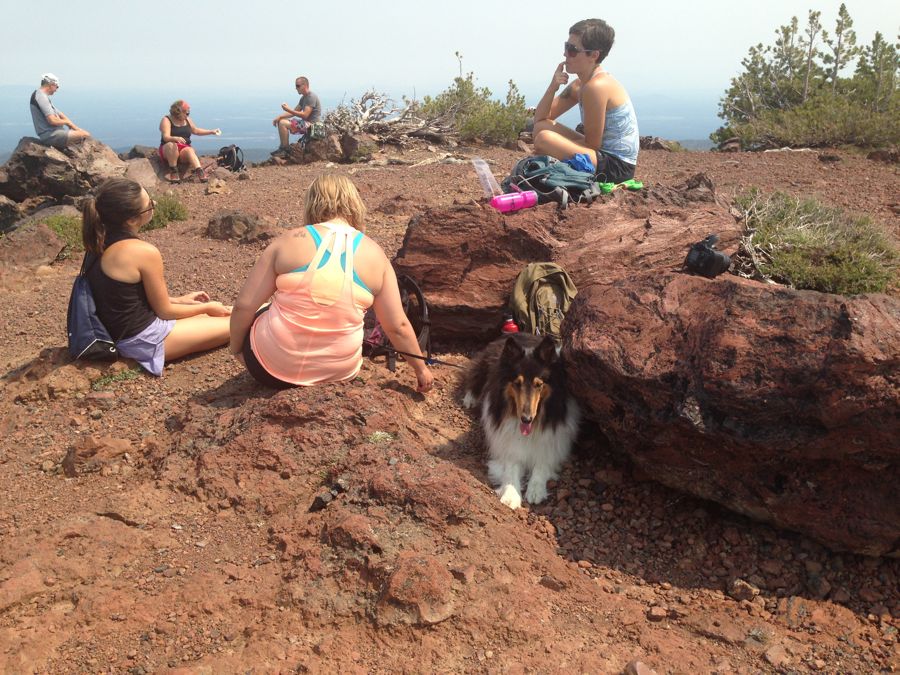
[[123, 569]]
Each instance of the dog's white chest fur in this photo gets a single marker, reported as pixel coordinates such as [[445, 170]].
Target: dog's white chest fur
[[540, 454]]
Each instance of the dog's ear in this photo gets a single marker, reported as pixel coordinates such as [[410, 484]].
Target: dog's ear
[[512, 350], [546, 351]]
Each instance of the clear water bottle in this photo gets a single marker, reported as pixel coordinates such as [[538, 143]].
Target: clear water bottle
[[509, 326]]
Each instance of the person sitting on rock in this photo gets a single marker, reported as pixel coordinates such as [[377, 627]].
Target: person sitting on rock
[[324, 277], [49, 123], [297, 120], [126, 278], [175, 142], [610, 138]]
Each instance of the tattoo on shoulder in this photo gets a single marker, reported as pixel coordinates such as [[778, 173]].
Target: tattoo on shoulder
[[301, 233]]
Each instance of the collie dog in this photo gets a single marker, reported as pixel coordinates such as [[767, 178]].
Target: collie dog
[[529, 419]]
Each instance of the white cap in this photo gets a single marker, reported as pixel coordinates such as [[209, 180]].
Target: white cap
[[49, 78]]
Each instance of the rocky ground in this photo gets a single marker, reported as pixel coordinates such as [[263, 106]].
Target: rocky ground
[[200, 522]]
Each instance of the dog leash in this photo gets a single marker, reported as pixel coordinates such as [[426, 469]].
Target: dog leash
[[429, 360]]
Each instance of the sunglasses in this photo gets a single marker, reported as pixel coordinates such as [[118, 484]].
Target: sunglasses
[[149, 208], [572, 50]]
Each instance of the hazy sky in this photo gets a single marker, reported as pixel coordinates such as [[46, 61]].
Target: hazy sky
[[398, 46]]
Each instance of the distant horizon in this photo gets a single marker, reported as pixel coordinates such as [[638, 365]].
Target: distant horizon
[[124, 118]]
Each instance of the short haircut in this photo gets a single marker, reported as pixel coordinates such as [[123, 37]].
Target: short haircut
[[178, 107], [332, 195], [303, 80], [596, 35]]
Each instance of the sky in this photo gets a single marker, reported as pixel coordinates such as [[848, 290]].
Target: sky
[[399, 46]]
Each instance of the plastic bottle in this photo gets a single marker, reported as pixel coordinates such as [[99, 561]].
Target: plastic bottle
[[488, 183], [514, 201], [509, 326]]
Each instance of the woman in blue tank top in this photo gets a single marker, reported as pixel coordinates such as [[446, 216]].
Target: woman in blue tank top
[[610, 138]]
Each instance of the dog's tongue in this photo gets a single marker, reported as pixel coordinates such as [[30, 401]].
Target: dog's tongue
[[525, 428]]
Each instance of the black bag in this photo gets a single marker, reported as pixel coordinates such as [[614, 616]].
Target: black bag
[[231, 157], [88, 337], [552, 180], [376, 343]]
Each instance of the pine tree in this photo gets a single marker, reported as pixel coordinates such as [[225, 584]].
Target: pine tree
[[843, 47], [876, 73]]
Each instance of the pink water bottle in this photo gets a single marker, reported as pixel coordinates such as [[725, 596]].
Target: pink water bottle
[[514, 201]]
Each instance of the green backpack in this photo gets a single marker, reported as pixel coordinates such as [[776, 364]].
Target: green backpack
[[540, 298], [552, 180]]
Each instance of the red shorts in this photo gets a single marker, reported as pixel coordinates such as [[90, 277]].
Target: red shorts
[[298, 125], [181, 146]]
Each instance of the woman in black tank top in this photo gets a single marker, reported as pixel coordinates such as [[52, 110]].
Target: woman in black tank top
[[126, 278], [175, 142]]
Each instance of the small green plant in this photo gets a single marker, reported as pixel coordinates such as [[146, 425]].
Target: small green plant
[[123, 375], [68, 228], [168, 208], [475, 114], [808, 245], [379, 437]]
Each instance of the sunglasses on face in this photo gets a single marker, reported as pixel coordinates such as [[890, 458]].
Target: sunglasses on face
[[572, 50], [149, 208]]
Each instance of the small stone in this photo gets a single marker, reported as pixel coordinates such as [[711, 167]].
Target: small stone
[[813, 567], [741, 590], [585, 564], [657, 613], [819, 664], [607, 507], [47, 466], [638, 668], [840, 596], [869, 595], [777, 657], [464, 574]]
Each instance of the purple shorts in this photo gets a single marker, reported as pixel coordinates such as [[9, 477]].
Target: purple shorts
[[147, 347]]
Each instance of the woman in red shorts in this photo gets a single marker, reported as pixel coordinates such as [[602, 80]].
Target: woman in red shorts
[[175, 142]]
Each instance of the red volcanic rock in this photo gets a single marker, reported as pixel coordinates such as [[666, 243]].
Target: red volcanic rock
[[30, 246], [779, 404], [466, 257], [417, 593], [35, 169]]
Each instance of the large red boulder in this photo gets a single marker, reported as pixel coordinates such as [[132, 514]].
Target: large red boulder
[[779, 404]]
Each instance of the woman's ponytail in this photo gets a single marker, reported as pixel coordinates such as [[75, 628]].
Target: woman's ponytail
[[93, 231], [115, 203]]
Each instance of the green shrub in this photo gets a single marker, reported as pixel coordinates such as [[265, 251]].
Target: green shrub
[[103, 382], [824, 120], [807, 245], [168, 208], [474, 114], [68, 228]]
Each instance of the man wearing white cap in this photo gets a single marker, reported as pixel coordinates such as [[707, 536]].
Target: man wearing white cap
[[49, 123]]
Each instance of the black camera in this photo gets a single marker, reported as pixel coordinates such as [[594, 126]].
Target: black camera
[[705, 260]]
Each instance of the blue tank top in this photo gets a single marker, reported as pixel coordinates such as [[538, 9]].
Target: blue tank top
[[620, 132]]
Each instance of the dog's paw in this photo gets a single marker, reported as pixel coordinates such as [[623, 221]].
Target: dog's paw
[[536, 492], [469, 400], [510, 496]]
